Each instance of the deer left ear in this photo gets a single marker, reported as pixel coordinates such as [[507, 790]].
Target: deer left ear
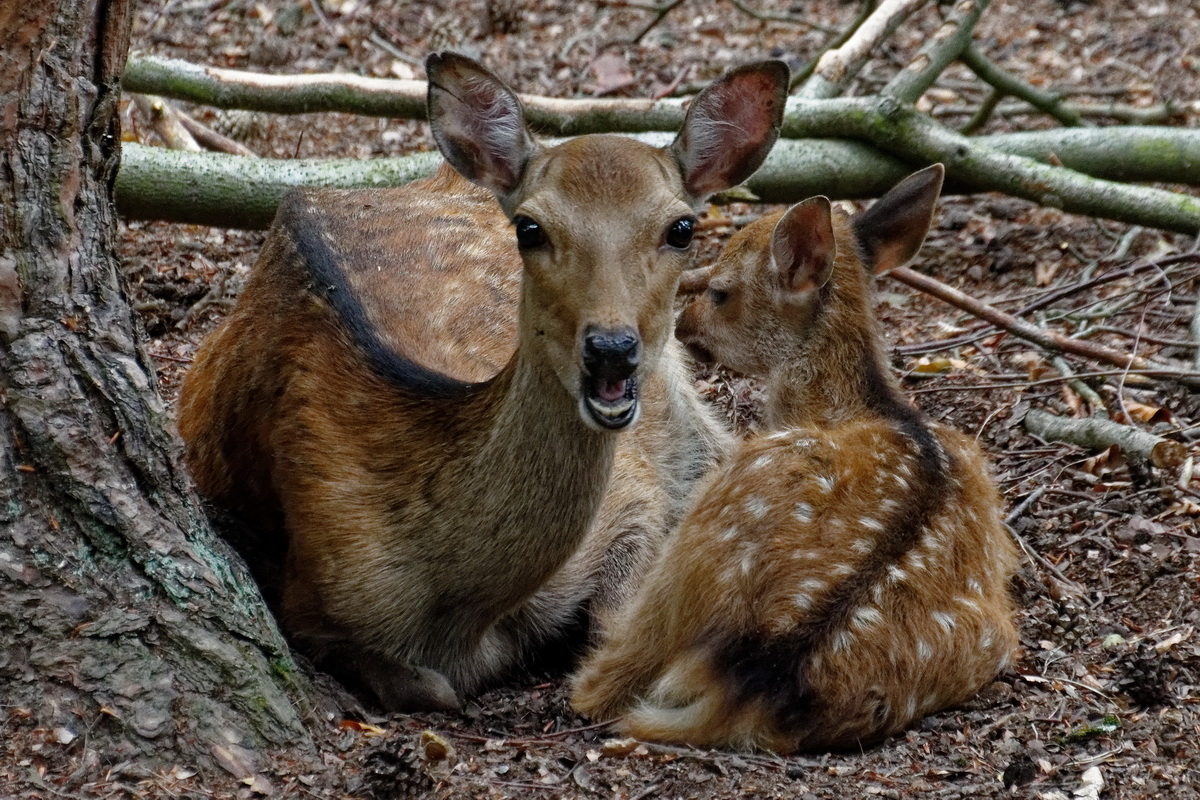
[[802, 245], [892, 231], [478, 123], [730, 127]]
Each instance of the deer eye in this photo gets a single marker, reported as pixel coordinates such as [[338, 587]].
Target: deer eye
[[680, 234], [718, 296], [529, 233]]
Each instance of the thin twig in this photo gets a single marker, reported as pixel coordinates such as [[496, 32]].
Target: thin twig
[[1094, 401], [210, 139], [1004, 81], [983, 113], [762, 16], [1025, 504], [1048, 340], [1064, 584], [660, 13]]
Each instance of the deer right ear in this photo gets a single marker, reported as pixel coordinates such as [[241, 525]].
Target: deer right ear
[[892, 230], [803, 247], [730, 127], [478, 122]]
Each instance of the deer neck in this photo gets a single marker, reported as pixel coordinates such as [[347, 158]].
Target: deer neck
[[838, 372], [527, 487]]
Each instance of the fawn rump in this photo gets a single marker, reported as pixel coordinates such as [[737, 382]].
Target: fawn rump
[[845, 573], [417, 420]]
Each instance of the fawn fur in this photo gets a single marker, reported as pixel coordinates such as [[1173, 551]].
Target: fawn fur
[[844, 574], [425, 419]]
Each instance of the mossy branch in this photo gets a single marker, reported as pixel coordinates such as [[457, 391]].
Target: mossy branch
[[218, 189]]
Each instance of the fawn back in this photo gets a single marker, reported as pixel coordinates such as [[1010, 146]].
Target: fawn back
[[425, 418], [848, 572]]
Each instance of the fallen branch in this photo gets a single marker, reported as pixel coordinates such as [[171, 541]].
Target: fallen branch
[[1100, 434], [906, 133], [801, 76], [1047, 340], [1004, 81], [941, 49], [210, 139], [837, 67], [212, 189], [165, 122], [238, 192]]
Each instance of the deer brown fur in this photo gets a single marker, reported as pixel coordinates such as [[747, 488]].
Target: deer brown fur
[[847, 573], [426, 419]]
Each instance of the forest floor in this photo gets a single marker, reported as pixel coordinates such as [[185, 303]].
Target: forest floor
[[1104, 700]]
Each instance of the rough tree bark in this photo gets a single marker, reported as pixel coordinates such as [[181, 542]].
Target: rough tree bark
[[127, 630]]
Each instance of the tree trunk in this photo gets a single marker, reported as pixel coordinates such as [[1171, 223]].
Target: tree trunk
[[128, 632]]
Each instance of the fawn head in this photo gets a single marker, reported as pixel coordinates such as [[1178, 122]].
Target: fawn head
[[603, 223], [766, 289]]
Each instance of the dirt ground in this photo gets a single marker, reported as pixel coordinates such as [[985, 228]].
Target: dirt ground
[[1105, 698]]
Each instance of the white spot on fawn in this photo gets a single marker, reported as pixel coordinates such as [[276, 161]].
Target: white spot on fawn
[[870, 523], [763, 461], [841, 570], [968, 602], [803, 512], [924, 652], [974, 585], [945, 619], [802, 601], [825, 482], [812, 584], [895, 574], [866, 616], [841, 641], [916, 560], [756, 507], [863, 546], [987, 639], [730, 534]]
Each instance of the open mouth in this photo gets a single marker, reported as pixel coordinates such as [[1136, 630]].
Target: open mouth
[[612, 404]]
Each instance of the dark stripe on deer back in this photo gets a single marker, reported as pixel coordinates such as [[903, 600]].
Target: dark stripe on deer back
[[773, 669], [329, 281]]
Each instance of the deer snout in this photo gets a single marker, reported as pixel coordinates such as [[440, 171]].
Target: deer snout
[[611, 354], [610, 361]]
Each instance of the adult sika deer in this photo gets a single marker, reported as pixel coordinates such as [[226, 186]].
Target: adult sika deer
[[426, 417], [845, 574]]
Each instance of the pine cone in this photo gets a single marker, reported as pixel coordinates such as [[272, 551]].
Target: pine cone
[[394, 770], [247, 127], [1146, 677], [1064, 623]]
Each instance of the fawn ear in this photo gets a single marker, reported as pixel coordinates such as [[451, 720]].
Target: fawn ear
[[803, 247], [730, 127], [892, 230], [478, 122]]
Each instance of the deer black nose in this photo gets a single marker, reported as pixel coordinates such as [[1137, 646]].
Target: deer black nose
[[611, 354]]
